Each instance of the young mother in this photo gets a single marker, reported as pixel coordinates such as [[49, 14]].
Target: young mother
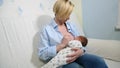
[[58, 33]]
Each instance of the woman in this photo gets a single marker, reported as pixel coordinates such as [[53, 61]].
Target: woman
[[58, 33]]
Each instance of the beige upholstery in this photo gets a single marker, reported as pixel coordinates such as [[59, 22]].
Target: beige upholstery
[[108, 49]]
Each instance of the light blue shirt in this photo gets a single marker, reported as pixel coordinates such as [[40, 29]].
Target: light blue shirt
[[50, 37]]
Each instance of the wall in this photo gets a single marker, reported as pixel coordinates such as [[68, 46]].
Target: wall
[[100, 19], [20, 21], [78, 10], [19, 24]]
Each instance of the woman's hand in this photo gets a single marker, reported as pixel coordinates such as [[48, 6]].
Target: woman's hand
[[64, 42], [66, 39], [77, 52]]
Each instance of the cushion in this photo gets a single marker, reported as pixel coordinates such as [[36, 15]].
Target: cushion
[[108, 49]]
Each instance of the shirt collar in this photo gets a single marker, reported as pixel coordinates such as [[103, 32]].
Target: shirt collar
[[68, 26], [54, 25]]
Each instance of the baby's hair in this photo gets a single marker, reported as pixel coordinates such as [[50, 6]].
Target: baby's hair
[[83, 40]]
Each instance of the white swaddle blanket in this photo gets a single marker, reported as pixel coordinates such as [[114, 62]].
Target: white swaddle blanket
[[60, 58]]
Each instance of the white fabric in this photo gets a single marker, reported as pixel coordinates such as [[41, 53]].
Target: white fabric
[[108, 49], [61, 57], [112, 64]]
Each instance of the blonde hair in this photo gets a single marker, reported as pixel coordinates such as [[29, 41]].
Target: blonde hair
[[63, 8]]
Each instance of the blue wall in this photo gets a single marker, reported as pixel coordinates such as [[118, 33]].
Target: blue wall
[[100, 19]]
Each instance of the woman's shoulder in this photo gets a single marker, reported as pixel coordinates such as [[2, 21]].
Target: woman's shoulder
[[48, 27], [45, 27]]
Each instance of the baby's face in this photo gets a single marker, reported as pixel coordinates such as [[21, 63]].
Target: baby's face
[[78, 38]]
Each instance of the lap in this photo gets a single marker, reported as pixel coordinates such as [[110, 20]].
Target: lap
[[72, 65], [87, 61], [89, 58], [91, 61]]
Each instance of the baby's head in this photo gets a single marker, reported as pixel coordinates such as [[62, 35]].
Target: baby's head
[[82, 39]]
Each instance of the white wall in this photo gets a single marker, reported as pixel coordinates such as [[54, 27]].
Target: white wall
[[18, 31], [20, 21]]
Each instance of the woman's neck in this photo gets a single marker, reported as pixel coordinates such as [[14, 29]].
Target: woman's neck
[[60, 23]]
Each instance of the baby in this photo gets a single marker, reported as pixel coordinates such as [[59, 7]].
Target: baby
[[60, 58]]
